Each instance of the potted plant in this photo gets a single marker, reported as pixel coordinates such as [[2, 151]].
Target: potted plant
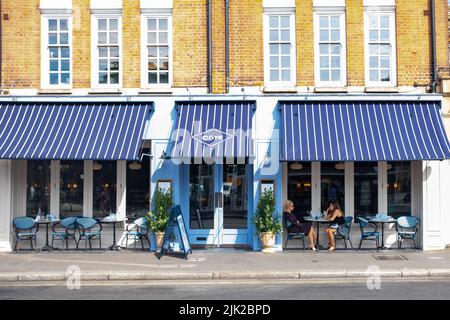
[[158, 218], [266, 221]]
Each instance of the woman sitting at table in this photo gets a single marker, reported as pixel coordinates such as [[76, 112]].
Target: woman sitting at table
[[298, 227], [336, 216]]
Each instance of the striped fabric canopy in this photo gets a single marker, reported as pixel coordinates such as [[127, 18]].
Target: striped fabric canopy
[[74, 131], [363, 131], [213, 130]]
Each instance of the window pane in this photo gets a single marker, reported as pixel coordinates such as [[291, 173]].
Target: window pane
[[366, 188], [284, 22], [373, 50], [65, 65], [104, 188], [113, 24], [53, 65], [285, 75], [286, 62], [324, 75], [399, 189], [65, 53], [323, 48], [334, 22], [274, 62], [335, 62], [163, 24], [64, 38], [102, 24], [374, 75], [102, 52], [285, 48], [65, 78], [373, 35], [324, 62], [114, 65], [274, 49], [52, 38], [384, 22], [385, 35], [53, 52], [152, 64], [52, 24], [102, 37], [164, 77], [152, 52], [138, 187], [152, 77], [103, 65], [38, 187], [235, 204], [103, 78], [385, 75], [299, 187], [274, 75], [332, 184], [373, 22], [54, 78], [385, 62], [385, 49], [71, 189], [163, 36], [273, 22], [285, 35], [151, 37], [336, 75], [114, 78], [274, 35], [114, 52], [163, 64], [151, 24], [324, 35], [164, 52], [335, 35], [63, 25], [113, 37], [323, 22], [335, 49]]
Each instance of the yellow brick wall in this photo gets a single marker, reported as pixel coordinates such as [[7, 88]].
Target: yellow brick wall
[[81, 44], [190, 43], [21, 44]]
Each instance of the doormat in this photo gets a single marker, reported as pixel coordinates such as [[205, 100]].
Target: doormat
[[389, 257]]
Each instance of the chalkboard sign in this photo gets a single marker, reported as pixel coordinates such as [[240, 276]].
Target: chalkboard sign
[[175, 221]]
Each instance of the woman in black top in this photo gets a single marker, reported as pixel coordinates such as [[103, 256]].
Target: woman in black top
[[298, 227], [336, 216]]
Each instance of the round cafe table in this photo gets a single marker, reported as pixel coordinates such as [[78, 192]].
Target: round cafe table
[[382, 221], [318, 222], [47, 222], [114, 246]]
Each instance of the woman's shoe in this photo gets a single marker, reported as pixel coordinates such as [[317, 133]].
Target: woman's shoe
[[331, 249], [313, 248]]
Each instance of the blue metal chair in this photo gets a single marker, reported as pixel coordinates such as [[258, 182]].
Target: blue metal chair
[[65, 230], [90, 229], [291, 235], [373, 234], [343, 232], [407, 228], [25, 229], [138, 231]]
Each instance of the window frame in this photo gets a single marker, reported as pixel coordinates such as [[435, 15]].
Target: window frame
[[392, 40], [144, 54], [95, 83], [343, 42], [293, 72], [45, 47]]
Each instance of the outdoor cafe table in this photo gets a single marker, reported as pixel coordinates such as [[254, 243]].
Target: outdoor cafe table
[[382, 221], [318, 221], [114, 246], [47, 222]]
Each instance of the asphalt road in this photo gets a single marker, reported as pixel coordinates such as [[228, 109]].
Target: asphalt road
[[233, 290]]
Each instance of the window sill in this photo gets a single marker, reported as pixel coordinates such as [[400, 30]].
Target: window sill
[[105, 91], [279, 90], [54, 91], [156, 91], [381, 90], [330, 90]]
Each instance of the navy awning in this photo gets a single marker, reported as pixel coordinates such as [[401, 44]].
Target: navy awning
[[73, 131], [363, 131], [213, 130]]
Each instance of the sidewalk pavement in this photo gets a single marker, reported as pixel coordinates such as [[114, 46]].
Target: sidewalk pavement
[[221, 264]]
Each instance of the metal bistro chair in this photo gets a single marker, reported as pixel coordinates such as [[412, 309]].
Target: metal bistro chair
[[343, 232], [90, 229], [292, 235], [25, 229], [407, 228], [137, 230], [373, 235], [65, 230]]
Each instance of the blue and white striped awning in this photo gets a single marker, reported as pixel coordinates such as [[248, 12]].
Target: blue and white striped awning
[[74, 131], [213, 130], [363, 131]]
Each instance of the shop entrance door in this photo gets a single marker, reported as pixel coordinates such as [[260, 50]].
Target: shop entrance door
[[218, 204]]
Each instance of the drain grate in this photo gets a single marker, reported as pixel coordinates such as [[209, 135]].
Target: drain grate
[[389, 257]]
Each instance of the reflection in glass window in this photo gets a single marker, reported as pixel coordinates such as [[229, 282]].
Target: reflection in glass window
[[38, 187], [201, 197], [399, 188], [299, 187], [235, 206], [332, 183], [104, 188], [138, 187], [71, 189], [366, 188]]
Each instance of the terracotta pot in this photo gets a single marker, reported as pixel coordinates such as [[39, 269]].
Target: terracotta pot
[[267, 239], [159, 239]]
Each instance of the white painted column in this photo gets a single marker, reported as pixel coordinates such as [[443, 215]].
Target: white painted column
[[121, 189], [349, 189], [416, 194], [382, 187], [19, 188], [6, 205], [315, 191], [54, 187], [88, 191]]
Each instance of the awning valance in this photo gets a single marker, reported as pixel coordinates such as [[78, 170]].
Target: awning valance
[[213, 130], [363, 131], [72, 131]]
